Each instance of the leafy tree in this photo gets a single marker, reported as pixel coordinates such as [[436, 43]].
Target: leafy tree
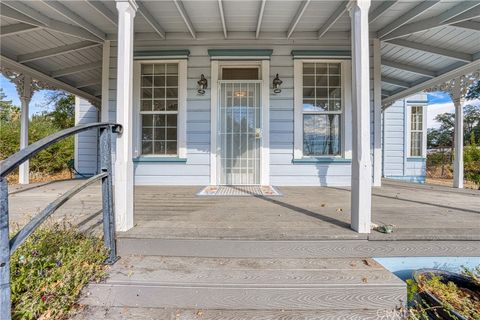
[[63, 113], [474, 91], [8, 112], [443, 136]]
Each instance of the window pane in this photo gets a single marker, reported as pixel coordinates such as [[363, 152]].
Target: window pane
[[147, 81], [172, 105], [334, 81], [309, 81], [322, 81], [159, 81], [159, 105], [159, 94], [321, 135], [321, 68], [146, 93], [309, 93], [146, 105], [416, 144], [334, 68], [322, 93], [172, 81], [309, 68], [147, 69]]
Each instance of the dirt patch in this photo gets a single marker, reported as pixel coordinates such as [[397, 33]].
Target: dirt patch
[[41, 177], [449, 183]]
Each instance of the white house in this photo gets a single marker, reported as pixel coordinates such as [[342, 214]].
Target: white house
[[257, 92]]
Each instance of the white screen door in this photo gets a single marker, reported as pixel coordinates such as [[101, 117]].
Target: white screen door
[[240, 132]]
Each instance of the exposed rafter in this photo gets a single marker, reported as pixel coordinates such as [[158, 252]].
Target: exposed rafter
[[298, 16], [406, 17], [19, 11], [386, 93], [469, 25], [222, 18], [450, 16], [74, 18], [465, 57], [459, 71], [17, 28], [150, 19], [76, 69], [48, 53], [340, 11], [104, 11], [380, 10], [38, 75], [89, 83], [186, 19], [395, 82], [409, 68], [260, 18]]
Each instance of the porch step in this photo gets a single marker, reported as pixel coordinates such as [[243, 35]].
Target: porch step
[[292, 248], [247, 284], [122, 313]]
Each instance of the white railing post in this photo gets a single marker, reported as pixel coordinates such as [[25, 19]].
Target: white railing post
[[25, 92], [361, 201], [123, 183], [377, 114], [458, 161]]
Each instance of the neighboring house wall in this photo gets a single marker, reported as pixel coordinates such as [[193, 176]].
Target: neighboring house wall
[[398, 163], [85, 142], [196, 170]]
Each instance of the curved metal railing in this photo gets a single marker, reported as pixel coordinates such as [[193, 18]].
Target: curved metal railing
[[8, 246]]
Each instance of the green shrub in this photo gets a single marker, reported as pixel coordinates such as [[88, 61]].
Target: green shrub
[[51, 160], [49, 270]]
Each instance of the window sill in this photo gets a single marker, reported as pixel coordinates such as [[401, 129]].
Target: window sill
[[326, 160], [416, 159], [160, 159]]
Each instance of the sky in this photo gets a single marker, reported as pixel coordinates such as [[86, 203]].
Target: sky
[[38, 102], [438, 102]]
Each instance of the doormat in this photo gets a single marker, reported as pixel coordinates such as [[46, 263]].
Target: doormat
[[239, 191]]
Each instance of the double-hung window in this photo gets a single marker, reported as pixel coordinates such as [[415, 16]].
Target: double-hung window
[[322, 108], [416, 131], [161, 108]]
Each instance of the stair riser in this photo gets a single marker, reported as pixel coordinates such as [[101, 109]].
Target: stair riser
[[245, 298], [295, 249]]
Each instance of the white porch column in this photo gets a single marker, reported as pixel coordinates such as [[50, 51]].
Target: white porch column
[[124, 148], [377, 112], [361, 163], [458, 164], [104, 116], [25, 91]]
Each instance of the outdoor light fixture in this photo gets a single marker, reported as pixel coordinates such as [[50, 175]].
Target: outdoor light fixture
[[276, 84], [202, 85]]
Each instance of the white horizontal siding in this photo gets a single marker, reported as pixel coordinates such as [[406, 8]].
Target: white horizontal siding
[[85, 142], [196, 170]]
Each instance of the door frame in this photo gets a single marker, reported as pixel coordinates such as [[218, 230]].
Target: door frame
[[264, 117]]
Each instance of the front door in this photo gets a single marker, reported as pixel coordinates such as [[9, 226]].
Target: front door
[[240, 132]]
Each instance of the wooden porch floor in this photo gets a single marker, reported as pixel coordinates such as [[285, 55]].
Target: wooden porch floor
[[419, 212]]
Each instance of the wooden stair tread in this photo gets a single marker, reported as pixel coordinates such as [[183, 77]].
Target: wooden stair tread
[[122, 313]]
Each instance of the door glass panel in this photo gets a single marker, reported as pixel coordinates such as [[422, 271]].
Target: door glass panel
[[239, 132]]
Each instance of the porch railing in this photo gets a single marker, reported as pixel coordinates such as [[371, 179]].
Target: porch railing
[[8, 246]]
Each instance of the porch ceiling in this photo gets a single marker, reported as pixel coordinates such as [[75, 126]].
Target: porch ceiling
[[421, 40]]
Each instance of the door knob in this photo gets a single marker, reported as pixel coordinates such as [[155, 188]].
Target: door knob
[[258, 133]]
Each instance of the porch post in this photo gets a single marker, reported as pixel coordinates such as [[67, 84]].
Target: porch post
[[104, 117], [124, 148], [458, 162], [25, 91], [361, 163], [377, 114]]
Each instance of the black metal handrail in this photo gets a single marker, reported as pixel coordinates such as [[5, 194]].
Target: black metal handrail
[[7, 247]]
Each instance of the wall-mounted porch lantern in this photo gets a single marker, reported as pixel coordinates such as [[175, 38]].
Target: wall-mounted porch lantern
[[202, 85], [276, 84]]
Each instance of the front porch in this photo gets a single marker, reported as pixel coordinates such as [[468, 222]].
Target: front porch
[[418, 212]]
